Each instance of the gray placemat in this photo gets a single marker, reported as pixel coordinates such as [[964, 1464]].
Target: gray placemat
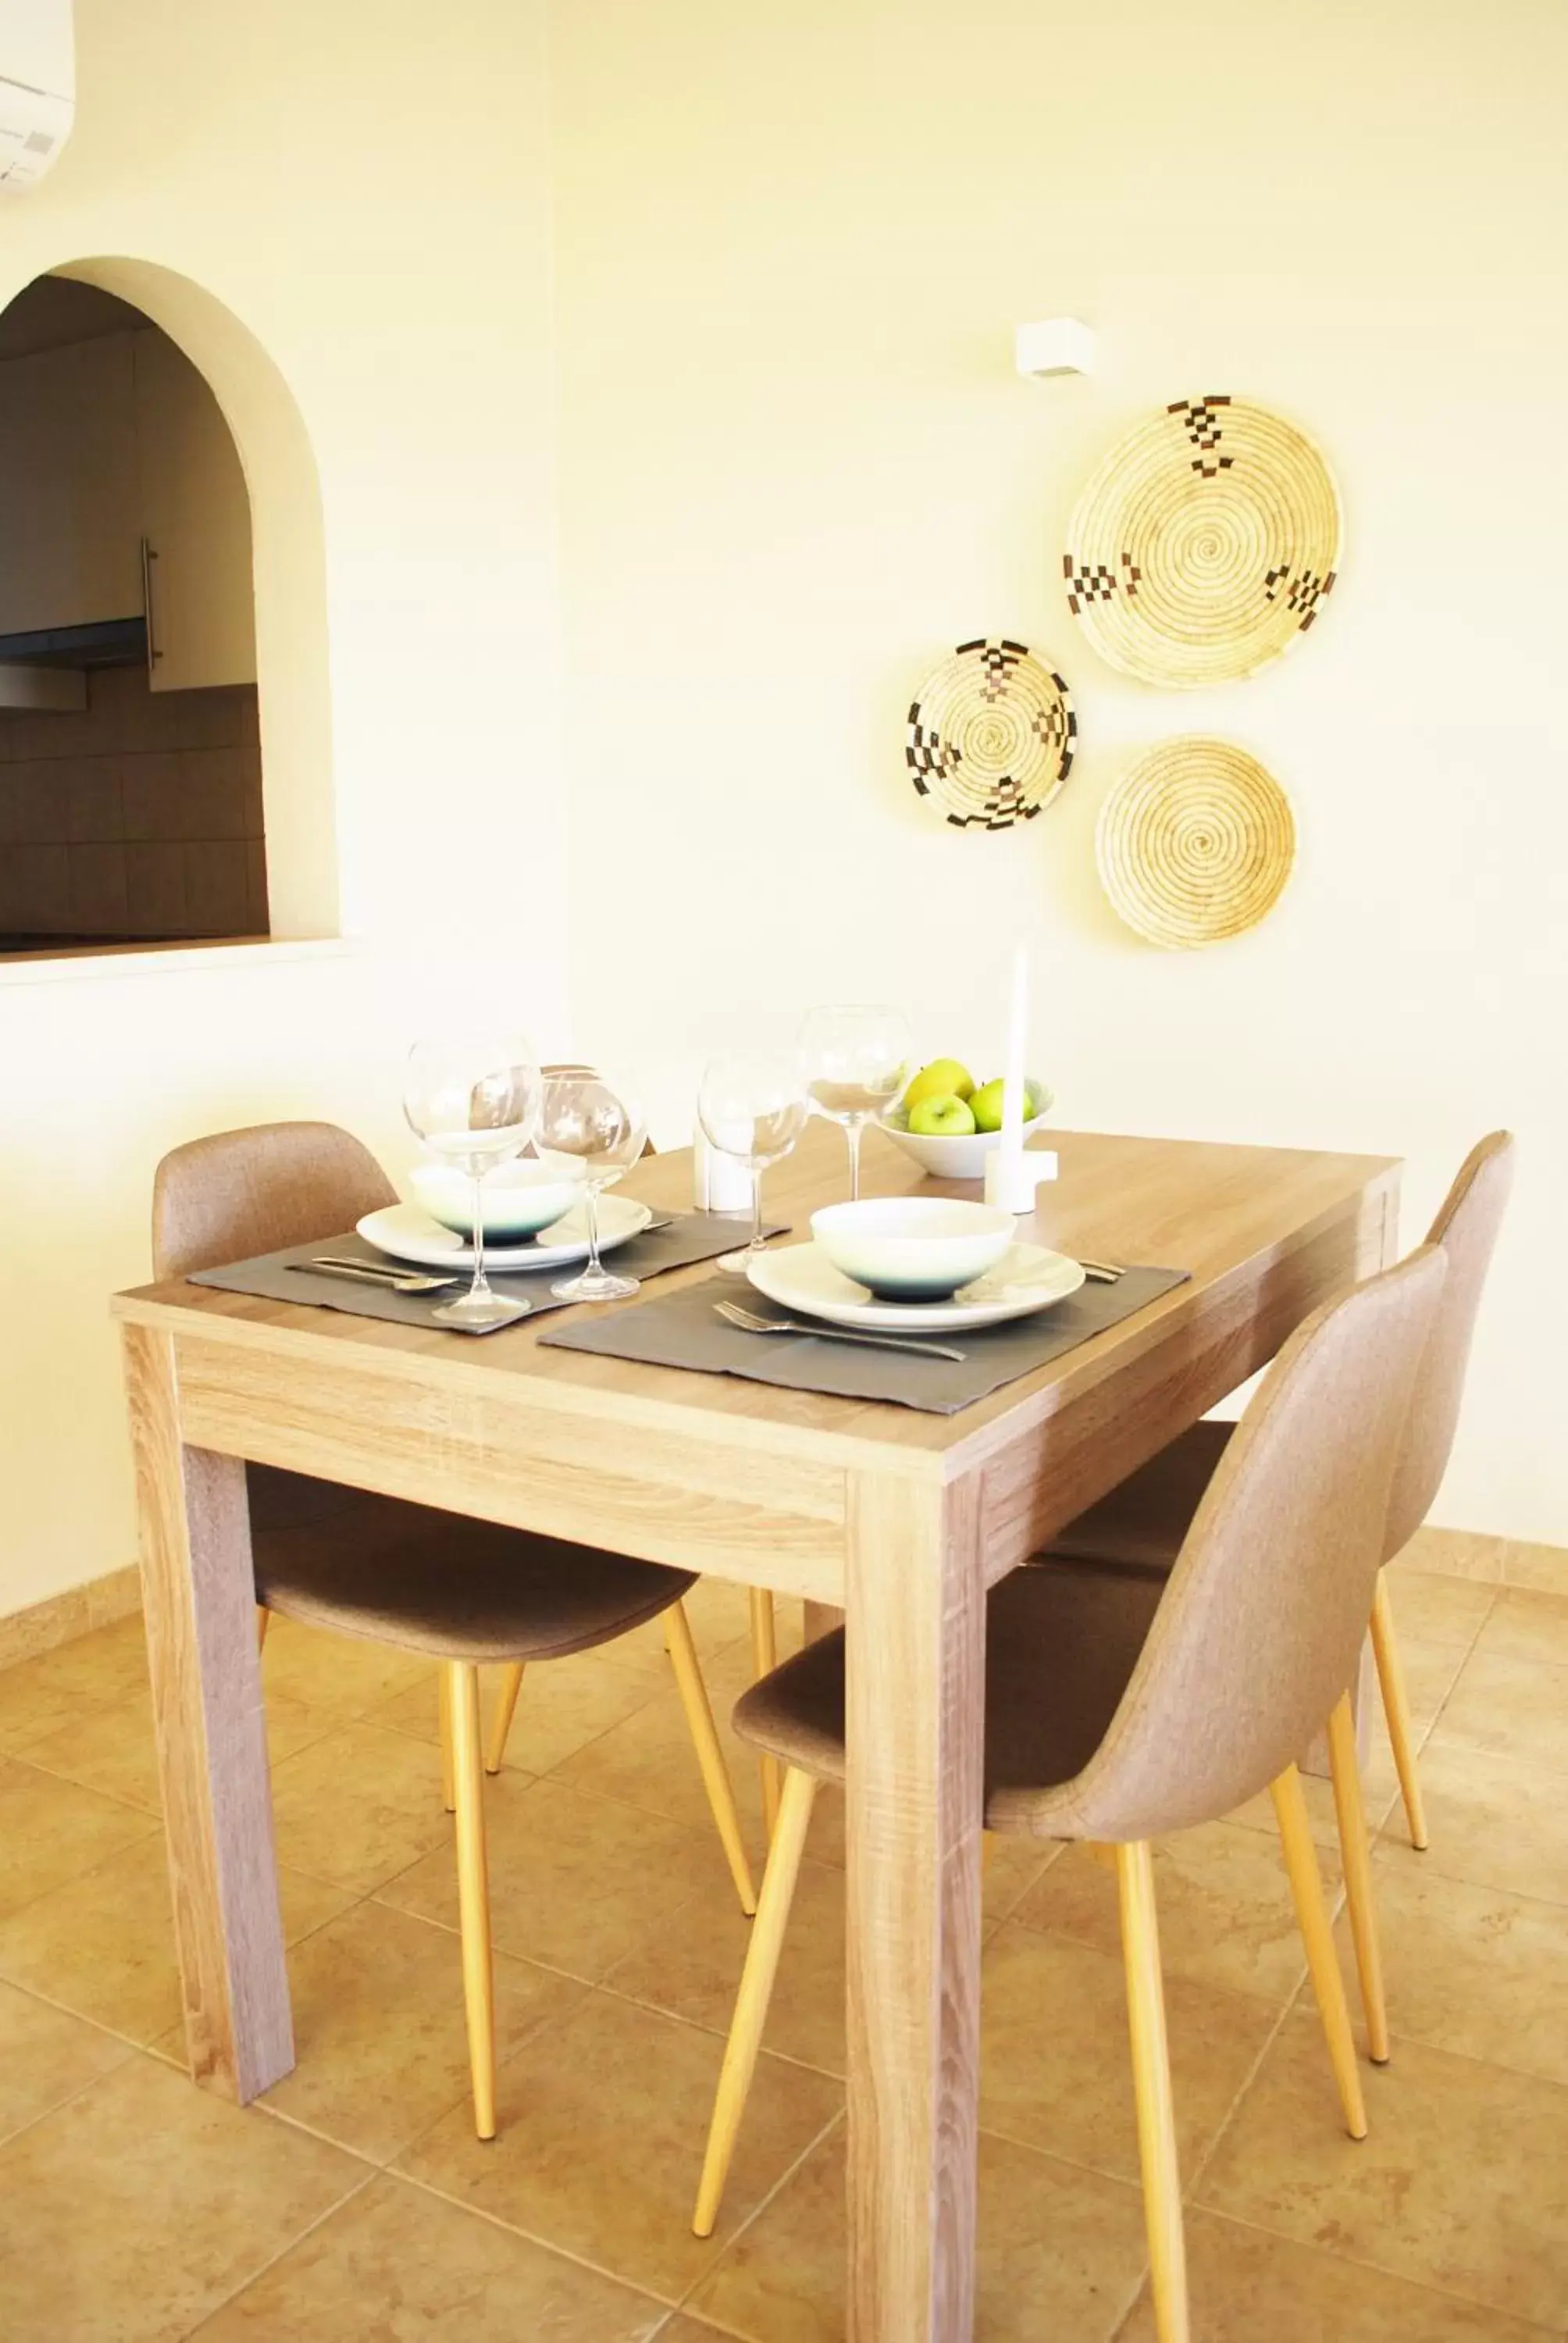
[[671, 1243], [684, 1329]]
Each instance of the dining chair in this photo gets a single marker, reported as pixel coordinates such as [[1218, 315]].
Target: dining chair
[[1120, 1708], [764, 1648], [1144, 1519], [459, 1591]]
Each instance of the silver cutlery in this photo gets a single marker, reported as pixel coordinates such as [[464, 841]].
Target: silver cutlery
[[365, 1272], [749, 1324]]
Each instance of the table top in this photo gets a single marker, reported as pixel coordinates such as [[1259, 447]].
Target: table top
[[1223, 1212]]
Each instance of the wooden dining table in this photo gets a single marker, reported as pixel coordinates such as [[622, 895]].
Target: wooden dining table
[[902, 1519]]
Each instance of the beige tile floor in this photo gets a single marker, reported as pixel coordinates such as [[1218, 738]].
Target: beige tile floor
[[353, 2202]]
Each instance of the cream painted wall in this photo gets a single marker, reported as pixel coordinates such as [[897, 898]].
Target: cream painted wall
[[793, 241], [364, 188]]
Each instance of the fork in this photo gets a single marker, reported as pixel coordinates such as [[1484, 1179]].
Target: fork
[[749, 1324]]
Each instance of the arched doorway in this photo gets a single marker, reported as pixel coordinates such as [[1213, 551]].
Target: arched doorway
[[173, 745]]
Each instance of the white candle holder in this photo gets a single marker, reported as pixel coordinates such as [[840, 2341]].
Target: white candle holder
[[1010, 1180]]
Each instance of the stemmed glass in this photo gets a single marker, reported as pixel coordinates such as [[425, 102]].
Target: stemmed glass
[[474, 1099], [855, 1061], [755, 1109], [595, 1120]]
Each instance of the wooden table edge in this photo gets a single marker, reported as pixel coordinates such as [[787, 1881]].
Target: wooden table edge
[[142, 1306]]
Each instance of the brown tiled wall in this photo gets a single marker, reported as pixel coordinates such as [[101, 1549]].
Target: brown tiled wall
[[139, 819]]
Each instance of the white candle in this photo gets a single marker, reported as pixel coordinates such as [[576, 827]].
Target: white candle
[[1012, 1099]]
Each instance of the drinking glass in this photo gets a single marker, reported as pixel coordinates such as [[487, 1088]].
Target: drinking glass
[[594, 1121], [474, 1099], [855, 1061], [753, 1107]]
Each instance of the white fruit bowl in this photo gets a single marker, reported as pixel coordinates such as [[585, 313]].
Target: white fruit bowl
[[521, 1198], [956, 1159], [913, 1248]]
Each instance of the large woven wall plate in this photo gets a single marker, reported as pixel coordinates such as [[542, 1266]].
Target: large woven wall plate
[[1204, 545], [1195, 843], [991, 735]]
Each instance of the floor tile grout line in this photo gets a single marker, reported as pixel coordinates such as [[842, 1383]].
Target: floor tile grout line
[[1191, 2184], [717, 2033], [66, 2098], [840, 2116], [1350, 2261], [150, 1817], [988, 1928], [138, 2049], [534, 2236], [272, 2261]]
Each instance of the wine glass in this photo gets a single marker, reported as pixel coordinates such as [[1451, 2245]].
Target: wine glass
[[753, 1107], [474, 1099], [855, 1061], [594, 1121]]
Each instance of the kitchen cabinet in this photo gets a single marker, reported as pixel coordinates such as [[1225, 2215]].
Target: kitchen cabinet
[[195, 513], [121, 493], [69, 501]]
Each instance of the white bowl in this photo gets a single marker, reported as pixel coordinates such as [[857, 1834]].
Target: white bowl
[[520, 1198], [913, 1248], [955, 1159]]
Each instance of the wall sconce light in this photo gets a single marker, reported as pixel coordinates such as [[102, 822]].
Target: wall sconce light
[[1054, 345]]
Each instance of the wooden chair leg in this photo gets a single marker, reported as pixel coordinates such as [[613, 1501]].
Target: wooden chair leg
[[1396, 1708], [764, 1660], [752, 2002], [710, 1755], [1356, 1856], [474, 1889], [1318, 1936], [505, 1709], [1151, 2091], [444, 1723], [263, 1621]]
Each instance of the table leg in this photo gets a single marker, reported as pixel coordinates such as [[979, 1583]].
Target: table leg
[[916, 1702], [199, 1598]]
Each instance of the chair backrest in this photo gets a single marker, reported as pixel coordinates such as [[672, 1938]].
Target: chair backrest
[[242, 1192], [1466, 1228], [577, 1067], [1260, 1626]]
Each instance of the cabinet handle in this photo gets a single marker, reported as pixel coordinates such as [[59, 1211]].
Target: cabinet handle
[[149, 555]]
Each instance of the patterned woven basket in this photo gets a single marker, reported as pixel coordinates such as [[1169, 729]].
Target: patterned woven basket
[[1205, 543], [991, 734], [1195, 843]]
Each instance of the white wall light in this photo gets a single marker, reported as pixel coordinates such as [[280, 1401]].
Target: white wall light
[[1054, 345]]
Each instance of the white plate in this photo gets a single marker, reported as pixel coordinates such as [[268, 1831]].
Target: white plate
[[1025, 1280], [409, 1234]]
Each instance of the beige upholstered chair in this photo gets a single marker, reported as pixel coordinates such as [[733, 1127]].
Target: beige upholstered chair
[[462, 1591], [1120, 1707], [1144, 1520], [764, 1648]]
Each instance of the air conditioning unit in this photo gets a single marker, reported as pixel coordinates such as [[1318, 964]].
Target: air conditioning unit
[[37, 89]]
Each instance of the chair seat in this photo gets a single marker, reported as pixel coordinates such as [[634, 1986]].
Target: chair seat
[[441, 1583], [1061, 1641], [1145, 1518]]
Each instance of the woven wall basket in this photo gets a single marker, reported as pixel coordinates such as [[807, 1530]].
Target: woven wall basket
[[1205, 543], [1195, 843], [991, 735]]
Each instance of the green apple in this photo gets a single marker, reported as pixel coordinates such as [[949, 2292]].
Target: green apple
[[944, 1078], [941, 1118], [986, 1104]]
